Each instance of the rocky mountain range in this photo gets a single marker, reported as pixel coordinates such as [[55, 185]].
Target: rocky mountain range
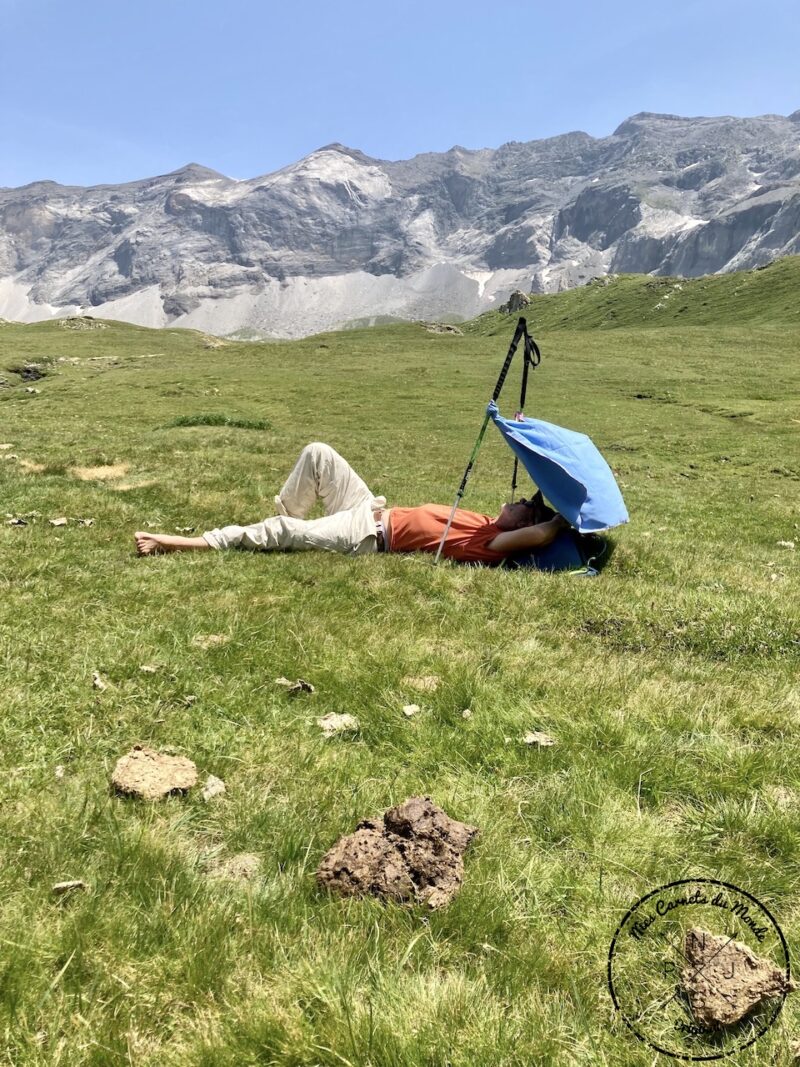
[[339, 238]]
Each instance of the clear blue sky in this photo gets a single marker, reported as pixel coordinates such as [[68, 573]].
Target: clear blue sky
[[113, 91]]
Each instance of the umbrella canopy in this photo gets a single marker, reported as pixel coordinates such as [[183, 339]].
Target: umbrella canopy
[[568, 469]]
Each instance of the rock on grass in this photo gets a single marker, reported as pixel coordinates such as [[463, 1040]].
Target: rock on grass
[[333, 724], [724, 980], [414, 852], [214, 787], [536, 737], [151, 775], [62, 888]]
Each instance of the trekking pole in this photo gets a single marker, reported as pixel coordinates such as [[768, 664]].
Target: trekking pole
[[533, 358], [522, 329]]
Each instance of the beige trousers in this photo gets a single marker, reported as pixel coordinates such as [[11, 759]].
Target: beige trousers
[[319, 474]]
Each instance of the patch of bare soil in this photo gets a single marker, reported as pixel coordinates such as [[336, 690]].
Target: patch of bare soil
[[414, 852], [152, 775], [105, 473], [724, 980]]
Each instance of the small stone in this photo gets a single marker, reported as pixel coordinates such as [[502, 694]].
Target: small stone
[[149, 668], [466, 713], [62, 521], [410, 710], [214, 787], [206, 641], [60, 888], [535, 737], [333, 724], [785, 544], [30, 389], [300, 686], [98, 682], [152, 775], [59, 772]]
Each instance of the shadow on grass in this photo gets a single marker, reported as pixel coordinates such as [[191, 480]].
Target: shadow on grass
[[219, 420]]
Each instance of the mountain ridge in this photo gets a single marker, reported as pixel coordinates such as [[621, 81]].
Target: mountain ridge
[[340, 235]]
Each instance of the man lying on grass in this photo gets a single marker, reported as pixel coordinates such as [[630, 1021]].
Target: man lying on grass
[[357, 522]]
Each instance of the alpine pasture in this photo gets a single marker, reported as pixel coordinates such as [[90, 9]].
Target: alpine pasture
[[670, 683]]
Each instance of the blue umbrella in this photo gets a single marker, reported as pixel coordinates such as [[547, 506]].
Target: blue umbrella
[[568, 469]]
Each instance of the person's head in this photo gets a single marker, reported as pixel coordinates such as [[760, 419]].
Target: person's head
[[525, 512]]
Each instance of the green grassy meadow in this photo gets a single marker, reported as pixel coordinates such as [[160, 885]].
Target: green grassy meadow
[[671, 684]]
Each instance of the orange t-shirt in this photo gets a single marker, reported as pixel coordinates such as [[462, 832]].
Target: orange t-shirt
[[420, 530]]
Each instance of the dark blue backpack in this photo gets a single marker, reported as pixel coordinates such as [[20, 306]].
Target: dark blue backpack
[[583, 554]]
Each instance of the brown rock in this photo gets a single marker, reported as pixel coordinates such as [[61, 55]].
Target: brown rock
[[724, 980], [150, 775], [414, 852], [442, 327], [516, 302]]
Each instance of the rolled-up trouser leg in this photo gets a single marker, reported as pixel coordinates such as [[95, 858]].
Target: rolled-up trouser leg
[[350, 532], [321, 473]]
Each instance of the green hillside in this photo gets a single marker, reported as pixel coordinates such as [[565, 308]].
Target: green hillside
[[768, 295], [670, 684]]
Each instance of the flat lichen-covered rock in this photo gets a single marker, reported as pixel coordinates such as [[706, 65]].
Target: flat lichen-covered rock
[[151, 775], [724, 980], [414, 852]]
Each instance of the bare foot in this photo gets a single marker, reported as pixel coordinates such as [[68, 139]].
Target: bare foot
[[148, 544]]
